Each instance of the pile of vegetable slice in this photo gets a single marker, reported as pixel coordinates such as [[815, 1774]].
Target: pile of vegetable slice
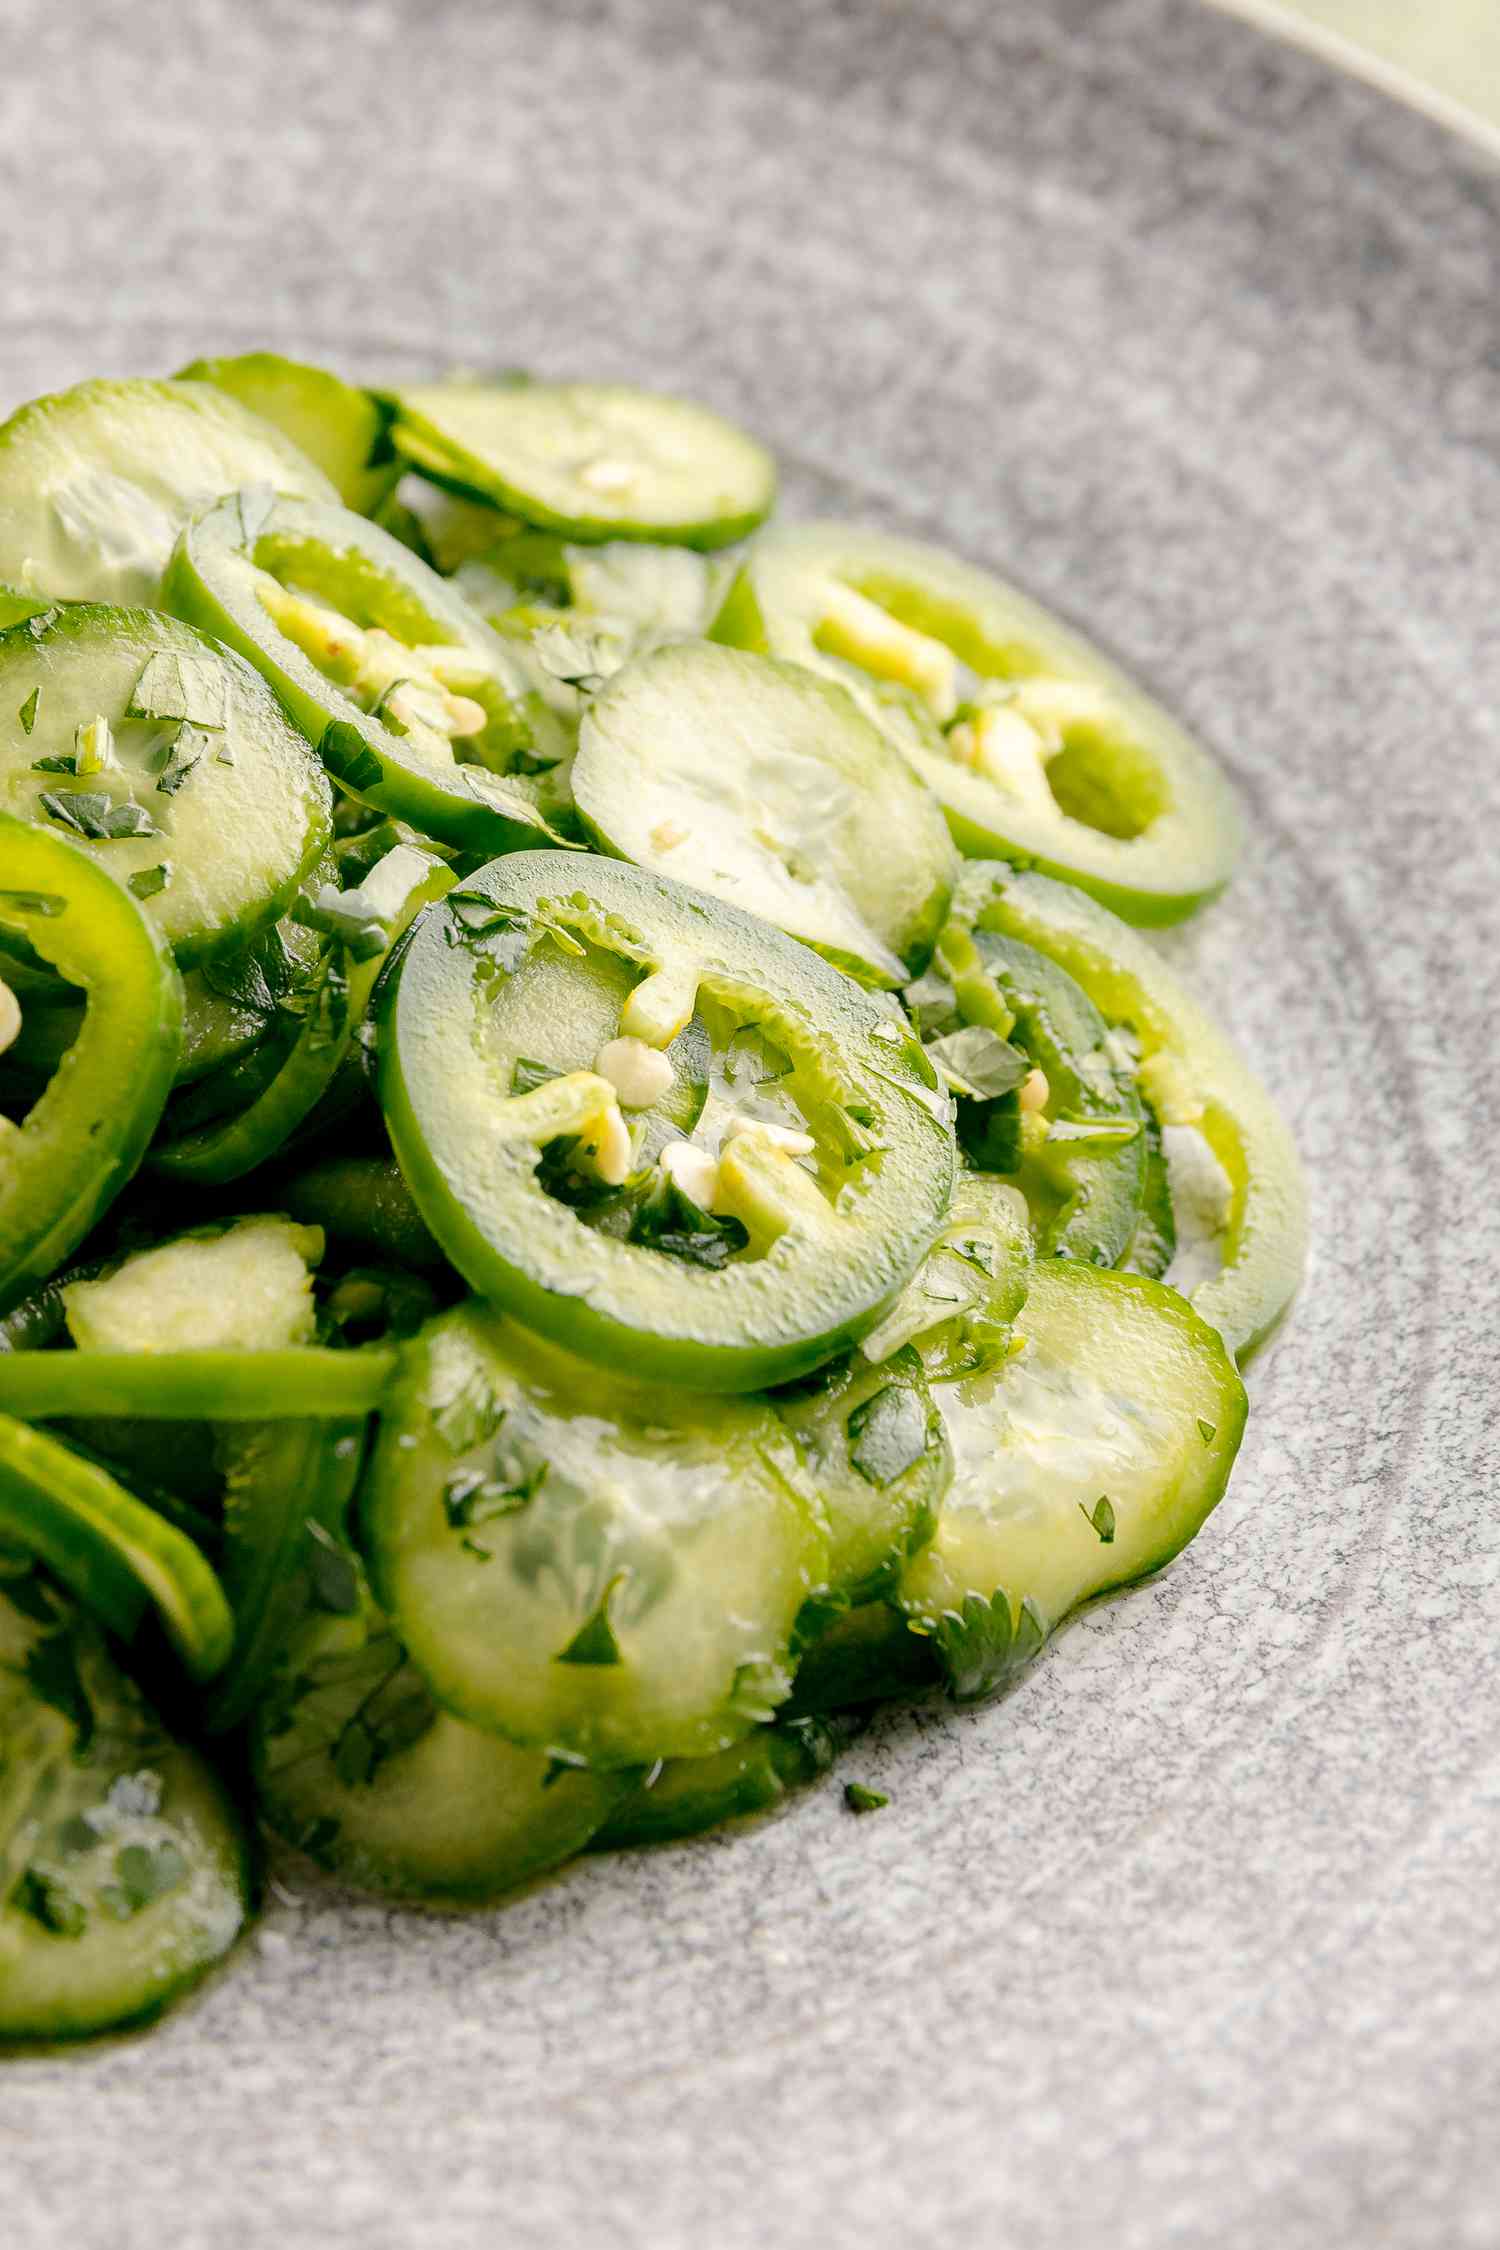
[[595, 1171]]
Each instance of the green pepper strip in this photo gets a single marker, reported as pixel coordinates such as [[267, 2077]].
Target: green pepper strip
[[402, 884], [302, 1381], [84, 1136], [110, 1549], [289, 1487]]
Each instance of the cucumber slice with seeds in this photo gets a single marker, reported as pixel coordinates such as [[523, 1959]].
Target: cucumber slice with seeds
[[96, 482], [1035, 744], [592, 460], [209, 806], [767, 786]]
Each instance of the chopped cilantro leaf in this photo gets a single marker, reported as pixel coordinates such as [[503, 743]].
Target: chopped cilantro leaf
[[859, 1799]]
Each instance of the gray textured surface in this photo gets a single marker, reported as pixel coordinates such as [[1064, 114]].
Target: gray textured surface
[[1193, 1941]]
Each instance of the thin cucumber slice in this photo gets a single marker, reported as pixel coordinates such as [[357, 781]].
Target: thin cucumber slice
[[591, 460], [168, 761], [690, 1795], [1193, 1076], [356, 1766], [242, 1288], [374, 916], [872, 1445], [414, 705], [104, 1543], [177, 1386], [768, 787], [603, 1571], [1035, 744], [334, 425], [96, 482], [123, 1873], [1088, 1461], [816, 1256]]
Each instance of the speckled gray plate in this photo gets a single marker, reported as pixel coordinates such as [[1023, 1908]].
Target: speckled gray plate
[[1193, 1940]]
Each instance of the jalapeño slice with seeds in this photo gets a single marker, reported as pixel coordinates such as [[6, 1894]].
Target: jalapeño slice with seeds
[[800, 1222], [411, 701], [1211, 1106], [195, 792], [591, 1566], [1036, 745]]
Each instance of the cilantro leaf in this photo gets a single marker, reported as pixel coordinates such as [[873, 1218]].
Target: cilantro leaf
[[889, 1433], [27, 712], [180, 684], [595, 1642], [91, 813], [146, 882], [859, 1799], [978, 1063], [982, 1648], [1101, 1517]]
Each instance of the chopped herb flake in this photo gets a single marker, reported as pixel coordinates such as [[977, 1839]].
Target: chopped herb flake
[[92, 814], [594, 1642], [888, 1433], [27, 713], [859, 1799], [178, 684], [1208, 1431], [1101, 1517], [146, 882]]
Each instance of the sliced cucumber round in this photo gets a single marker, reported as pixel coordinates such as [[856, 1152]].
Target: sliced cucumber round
[[872, 1444], [96, 482], [339, 428], [412, 702], [1035, 745], [600, 1570], [167, 760], [1084, 1463], [768, 786], [123, 1873], [690, 1795], [591, 460], [356, 1766]]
